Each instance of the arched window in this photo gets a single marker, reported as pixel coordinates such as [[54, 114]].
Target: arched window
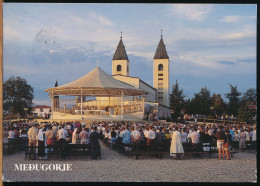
[[118, 68], [160, 67]]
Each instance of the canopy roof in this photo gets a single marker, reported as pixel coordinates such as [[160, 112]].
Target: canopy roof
[[96, 83]]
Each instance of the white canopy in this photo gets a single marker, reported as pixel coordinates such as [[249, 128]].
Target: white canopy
[[96, 83]]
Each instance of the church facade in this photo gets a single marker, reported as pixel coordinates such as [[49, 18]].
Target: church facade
[[158, 97]]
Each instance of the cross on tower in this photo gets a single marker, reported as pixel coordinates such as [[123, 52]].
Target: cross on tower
[[161, 33], [121, 34]]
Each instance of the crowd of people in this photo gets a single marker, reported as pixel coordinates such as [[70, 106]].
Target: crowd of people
[[223, 135]]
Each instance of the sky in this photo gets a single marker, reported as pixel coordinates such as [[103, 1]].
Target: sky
[[210, 45]]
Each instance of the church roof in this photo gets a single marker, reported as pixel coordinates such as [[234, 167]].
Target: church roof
[[96, 83], [120, 53], [56, 84], [161, 52]]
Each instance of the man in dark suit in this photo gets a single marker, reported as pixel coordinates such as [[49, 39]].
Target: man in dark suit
[[95, 143]]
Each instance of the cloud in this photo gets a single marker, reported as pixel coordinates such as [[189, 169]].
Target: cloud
[[226, 62], [192, 12], [236, 19], [239, 35]]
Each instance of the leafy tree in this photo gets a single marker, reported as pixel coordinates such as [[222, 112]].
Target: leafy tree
[[176, 101], [201, 102], [250, 95], [244, 113], [218, 104], [234, 99], [17, 95]]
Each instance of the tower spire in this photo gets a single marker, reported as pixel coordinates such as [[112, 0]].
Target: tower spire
[[120, 53], [161, 33]]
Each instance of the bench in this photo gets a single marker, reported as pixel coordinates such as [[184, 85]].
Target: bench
[[61, 151], [142, 149]]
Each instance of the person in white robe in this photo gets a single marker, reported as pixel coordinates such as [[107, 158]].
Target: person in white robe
[[176, 144], [74, 136]]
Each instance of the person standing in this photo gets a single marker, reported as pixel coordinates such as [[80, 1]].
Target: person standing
[[96, 149], [135, 135], [113, 135], [32, 137], [242, 140], [41, 142], [220, 142], [227, 144], [195, 139], [150, 136], [126, 136], [83, 135], [176, 148]]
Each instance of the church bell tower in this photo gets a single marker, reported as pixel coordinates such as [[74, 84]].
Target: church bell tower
[[161, 75], [120, 62]]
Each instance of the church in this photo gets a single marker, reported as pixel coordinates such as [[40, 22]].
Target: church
[[159, 92], [117, 96]]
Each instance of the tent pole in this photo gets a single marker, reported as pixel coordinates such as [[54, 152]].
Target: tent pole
[[81, 104], [122, 105]]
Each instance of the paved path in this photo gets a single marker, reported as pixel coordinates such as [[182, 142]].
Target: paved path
[[118, 168]]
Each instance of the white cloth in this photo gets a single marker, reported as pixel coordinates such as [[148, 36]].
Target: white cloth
[[74, 136], [247, 136], [136, 134], [254, 136], [40, 135], [11, 134], [151, 134], [62, 133], [176, 144], [194, 137]]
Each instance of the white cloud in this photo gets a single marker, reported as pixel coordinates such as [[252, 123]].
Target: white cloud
[[236, 19], [231, 19], [192, 12], [238, 35]]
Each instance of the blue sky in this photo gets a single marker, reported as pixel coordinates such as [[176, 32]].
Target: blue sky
[[209, 45]]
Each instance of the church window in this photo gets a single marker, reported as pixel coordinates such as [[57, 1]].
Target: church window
[[160, 92], [127, 68], [160, 78], [160, 98], [160, 74], [118, 68], [160, 67], [160, 84], [160, 88]]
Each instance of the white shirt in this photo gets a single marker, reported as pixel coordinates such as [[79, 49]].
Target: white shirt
[[194, 137], [151, 134], [62, 133], [11, 134], [136, 134]]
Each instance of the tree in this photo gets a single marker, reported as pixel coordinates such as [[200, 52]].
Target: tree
[[250, 95], [176, 101], [202, 102], [17, 95], [218, 104], [244, 114], [234, 98]]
